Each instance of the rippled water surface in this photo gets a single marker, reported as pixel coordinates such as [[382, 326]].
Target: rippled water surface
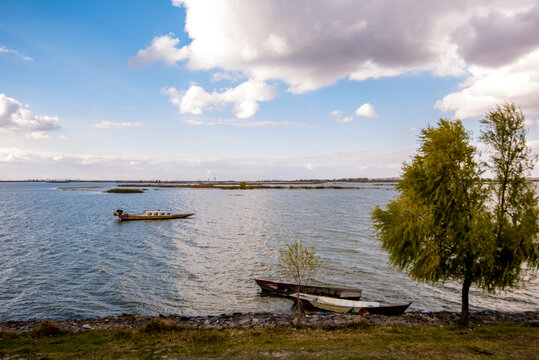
[[63, 255]]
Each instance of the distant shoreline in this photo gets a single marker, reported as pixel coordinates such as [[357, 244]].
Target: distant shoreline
[[393, 180], [228, 182]]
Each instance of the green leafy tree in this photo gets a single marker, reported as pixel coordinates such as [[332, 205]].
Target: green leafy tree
[[433, 227], [515, 212], [300, 264], [443, 225]]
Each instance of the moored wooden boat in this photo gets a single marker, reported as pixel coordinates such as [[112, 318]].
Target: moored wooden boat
[[150, 215], [287, 289], [351, 306]]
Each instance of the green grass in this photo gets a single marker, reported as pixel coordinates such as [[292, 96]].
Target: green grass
[[159, 340]]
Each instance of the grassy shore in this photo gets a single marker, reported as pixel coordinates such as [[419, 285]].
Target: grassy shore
[[162, 339]]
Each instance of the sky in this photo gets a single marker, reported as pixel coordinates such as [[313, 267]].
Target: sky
[[252, 90]]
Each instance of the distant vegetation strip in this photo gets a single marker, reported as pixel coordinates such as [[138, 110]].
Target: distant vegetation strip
[[246, 187], [123, 191], [228, 186]]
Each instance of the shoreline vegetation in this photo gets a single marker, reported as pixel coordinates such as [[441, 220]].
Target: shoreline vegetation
[[264, 335], [124, 191], [274, 181], [393, 180], [141, 187], [238, 185]]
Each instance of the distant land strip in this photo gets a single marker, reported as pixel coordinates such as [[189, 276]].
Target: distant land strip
[[393, 180], [273, 181], [246, 187]]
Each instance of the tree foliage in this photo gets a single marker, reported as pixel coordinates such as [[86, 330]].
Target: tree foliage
[[300, 264], [515, 211], [447, 225]]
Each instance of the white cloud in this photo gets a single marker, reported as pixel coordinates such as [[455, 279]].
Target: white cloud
[[245, 98], [115, 125], [38, 135], [517, 82], [338, 115], [162, 48], [366, 110], [318, 43], [499, 37], [315, 45], [13, 154], [16, 117], [5, 50], [228, 76]]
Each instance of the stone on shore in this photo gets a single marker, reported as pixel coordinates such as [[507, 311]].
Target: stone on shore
[[242, 320]]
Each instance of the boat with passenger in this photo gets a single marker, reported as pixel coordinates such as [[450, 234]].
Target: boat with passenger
[[150, 215]]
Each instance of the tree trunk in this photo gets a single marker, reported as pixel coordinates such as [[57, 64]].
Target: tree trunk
[[296, 322], [465, 302]]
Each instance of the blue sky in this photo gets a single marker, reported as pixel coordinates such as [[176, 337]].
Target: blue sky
[[242, 90]]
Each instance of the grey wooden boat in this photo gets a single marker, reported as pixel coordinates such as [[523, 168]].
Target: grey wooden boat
[[287, 289]]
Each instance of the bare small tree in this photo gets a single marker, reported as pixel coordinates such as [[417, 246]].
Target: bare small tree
[[300, 264]]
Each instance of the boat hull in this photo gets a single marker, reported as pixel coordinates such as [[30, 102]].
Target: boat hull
[[287, 289], [154, 217], [351, 307]]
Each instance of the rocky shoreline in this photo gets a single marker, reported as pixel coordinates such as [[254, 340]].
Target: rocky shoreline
[[239, 320]]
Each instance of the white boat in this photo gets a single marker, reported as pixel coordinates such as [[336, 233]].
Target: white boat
[[351, 306]]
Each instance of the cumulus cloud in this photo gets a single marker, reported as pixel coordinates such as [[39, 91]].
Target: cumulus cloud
[[498, 37], [163, 48], [517, 82], [227, 76], [115, 125], [245, 98], [318, 43], [315, 45], [366, 110], [17, 117]]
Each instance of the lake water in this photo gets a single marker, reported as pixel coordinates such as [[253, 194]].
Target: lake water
[[63, 255]]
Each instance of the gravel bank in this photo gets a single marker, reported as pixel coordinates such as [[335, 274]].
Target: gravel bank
[[238, 320]]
